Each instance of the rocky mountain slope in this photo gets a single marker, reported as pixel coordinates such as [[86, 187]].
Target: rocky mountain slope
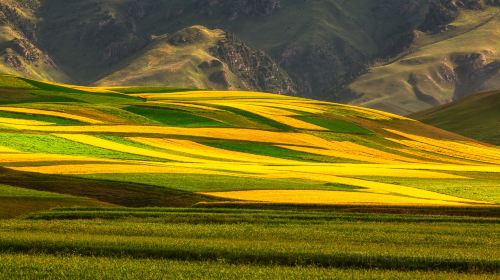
[[397, 55], [455, 53]]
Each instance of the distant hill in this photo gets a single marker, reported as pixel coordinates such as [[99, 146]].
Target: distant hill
[[476, 116], [401, 56]]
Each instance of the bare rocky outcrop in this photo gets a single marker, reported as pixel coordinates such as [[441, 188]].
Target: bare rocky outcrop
[[254, 68], [443, 12], [472, 70]]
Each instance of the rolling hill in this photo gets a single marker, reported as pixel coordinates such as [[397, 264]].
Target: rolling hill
[[398, 56], [161, 146], [476, 116]]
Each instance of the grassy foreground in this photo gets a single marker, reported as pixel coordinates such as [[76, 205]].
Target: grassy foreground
[[220, 243]]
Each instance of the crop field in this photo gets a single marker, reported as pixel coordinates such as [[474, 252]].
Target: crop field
[[269, 184]]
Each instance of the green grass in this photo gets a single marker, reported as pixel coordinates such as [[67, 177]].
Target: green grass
[[268, 150], [265, 122], [207, 182], [40, 143], [481, 185], [173, 117], [8, 81], [49, 119], [453, 244], [337, 126], [16, 266], [16, 201], [476, 116]]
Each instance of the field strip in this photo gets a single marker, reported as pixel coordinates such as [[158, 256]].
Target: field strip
[[50, 113], [7, 150], [114, 146], [434, 157], [431, 166], [200, 95], [82, 169], [41, 157], [191, 147], [353, 151], [278, 115], [238, 134], [300, 108], [375, 187], [447, 151], [453, 147], [374, 113], [185, 104], [356, 170], [329, 197], [11, 121]]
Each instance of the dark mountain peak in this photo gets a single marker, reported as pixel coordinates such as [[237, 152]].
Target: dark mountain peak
[[237, 8], [443, 12]]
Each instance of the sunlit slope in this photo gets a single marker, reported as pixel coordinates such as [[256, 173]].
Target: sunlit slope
[[197, 145], [476, 116], [438, 68]]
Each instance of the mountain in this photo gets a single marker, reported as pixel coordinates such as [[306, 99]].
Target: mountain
[[160, 146], [196, 57], [400, 55], [455, 53], [476, 116]]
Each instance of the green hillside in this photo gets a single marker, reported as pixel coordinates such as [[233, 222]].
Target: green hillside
[[476, 116]]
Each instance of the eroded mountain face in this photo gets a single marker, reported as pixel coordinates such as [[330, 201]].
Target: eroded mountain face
[[454, 53], [316, 49], [19, 50]]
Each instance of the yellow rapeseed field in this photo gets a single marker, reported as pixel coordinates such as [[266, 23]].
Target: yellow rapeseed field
[[113, 169], [11, 121], [239, 134], [329, 197], [191, 147], [114, 146], [7, 150]]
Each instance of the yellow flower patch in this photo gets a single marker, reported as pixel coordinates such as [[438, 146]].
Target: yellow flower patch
[[329, 197], [11, 121], [114, 146], [112, 169], [191, 147]]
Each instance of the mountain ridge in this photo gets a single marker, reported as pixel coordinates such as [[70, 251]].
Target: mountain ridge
[[321, 49]]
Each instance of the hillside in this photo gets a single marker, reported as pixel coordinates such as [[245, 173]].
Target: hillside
[[154, 146], [196, 57], [461, 58], [399, 56], [476, 116]]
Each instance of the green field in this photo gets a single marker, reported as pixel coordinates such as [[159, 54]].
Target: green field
[[222, 243], [221, 184]]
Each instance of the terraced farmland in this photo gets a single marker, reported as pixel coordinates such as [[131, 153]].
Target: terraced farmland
[[258, 185], [245, 146]]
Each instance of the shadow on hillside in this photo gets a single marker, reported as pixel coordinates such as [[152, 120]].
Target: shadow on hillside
[[119, 193]]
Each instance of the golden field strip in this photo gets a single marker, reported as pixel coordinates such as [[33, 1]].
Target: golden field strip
[[292, 139]]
